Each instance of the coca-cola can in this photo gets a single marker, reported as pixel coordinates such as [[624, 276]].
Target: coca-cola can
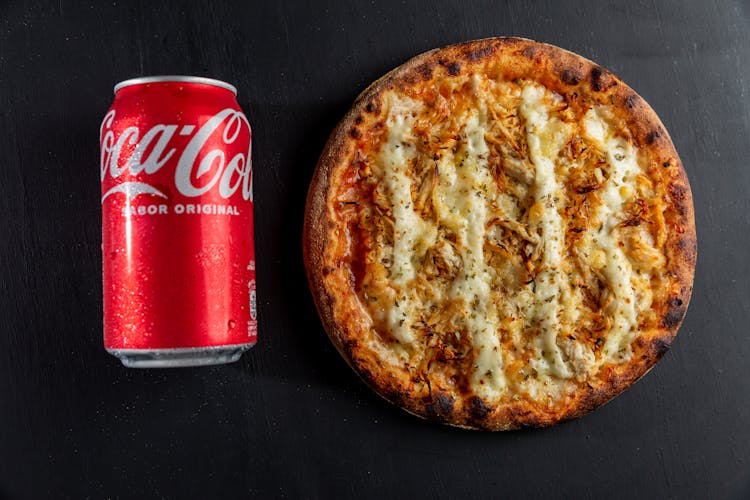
[[177, 223]]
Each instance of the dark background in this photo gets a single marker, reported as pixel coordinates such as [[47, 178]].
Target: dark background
[[290, 420]]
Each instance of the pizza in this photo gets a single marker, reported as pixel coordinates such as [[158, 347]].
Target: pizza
[[500, 234]]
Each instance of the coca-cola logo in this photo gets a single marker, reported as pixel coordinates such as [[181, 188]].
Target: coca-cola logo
[[199, 168]]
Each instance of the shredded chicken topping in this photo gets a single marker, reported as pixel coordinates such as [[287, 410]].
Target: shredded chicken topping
[[504, 233]]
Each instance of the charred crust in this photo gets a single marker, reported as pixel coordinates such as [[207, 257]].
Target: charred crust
[[475, 54], [512, 41], [358, 120], [631, 101], [675, 312], [440, 408], [596, 76], [677, 191], [679, 194], [531, 52], [530, 423], [396, 397], [522, 418], [349, 347], [570, 76], [659, 347], [689, 248], [652, 137], [420, 73], [373, 107], [407, 80], [355, 133], [425, 71], [453, 68], [601, 79], [366, 375], [594, 398], [478, 409]]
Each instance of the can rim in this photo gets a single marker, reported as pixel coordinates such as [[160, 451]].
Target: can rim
[[175, 78]]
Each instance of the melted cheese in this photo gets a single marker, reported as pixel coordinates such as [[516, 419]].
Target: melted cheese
[[545, 139], [504, 321], [412, 235], [462, 207], [623, 167]]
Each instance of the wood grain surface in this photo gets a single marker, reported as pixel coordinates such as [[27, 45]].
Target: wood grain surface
[[290, 420]]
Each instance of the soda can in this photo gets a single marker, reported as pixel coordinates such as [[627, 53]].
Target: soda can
[[178, 260]]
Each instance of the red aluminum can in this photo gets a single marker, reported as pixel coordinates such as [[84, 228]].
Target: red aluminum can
[[177, 223]]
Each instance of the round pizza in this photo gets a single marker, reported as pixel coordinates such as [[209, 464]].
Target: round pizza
[[500, 234]]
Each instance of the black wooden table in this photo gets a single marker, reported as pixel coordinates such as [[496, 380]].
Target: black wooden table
[[290, 420]]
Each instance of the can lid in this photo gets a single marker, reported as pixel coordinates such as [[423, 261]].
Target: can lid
[[175, 78]]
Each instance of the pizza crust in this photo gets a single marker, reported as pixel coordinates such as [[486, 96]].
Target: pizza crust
[[324, 243]]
